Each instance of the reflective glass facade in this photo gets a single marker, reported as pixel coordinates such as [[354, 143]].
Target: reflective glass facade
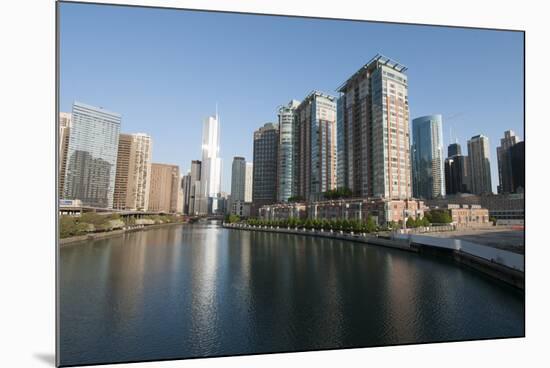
[[92, 156], [427, 154]]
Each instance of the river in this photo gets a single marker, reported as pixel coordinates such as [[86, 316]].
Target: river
[[202, 290]]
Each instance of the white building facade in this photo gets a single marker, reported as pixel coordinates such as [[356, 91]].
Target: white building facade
[[211, 166]]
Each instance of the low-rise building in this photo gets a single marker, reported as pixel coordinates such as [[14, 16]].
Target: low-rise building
[[241, 208], [468, 215], [503, 207], [382, 210], [283, 211]]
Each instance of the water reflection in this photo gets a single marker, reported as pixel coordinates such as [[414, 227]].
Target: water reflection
[[201, 290]]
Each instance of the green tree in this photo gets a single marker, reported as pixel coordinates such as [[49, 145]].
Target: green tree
[[371, 224], [439, 216], [424, 221]]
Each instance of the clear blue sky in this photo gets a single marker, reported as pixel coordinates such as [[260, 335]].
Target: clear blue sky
[[165, 70]]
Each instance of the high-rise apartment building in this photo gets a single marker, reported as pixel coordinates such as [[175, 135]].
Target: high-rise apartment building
[[211, 166], [248, 182], [315, 146], [517, 155], [195, 187], [427, 157], [165, 188], [133, 172], [92, 155], [287, 148], [504, 158], [264, 177], [238, 179], [373, 131], [65, 124], [479, 164], [180, 196], [186, 189]]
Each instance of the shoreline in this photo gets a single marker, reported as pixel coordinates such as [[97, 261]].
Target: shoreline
[[108, 234], [510, 276]]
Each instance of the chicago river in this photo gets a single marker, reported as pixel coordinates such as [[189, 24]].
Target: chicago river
[[198, 290]]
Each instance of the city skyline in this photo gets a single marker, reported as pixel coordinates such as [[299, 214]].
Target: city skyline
[[169, 103]]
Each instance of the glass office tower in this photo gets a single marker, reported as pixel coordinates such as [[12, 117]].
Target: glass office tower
[[427, 156], [92, 156]]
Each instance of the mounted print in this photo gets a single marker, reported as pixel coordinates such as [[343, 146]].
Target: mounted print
[[233, 184]]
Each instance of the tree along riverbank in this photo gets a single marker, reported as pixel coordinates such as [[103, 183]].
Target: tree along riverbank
[[91, 226]]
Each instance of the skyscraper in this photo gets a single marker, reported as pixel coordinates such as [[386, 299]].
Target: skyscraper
[[479, 164], [264, 177], [454, 149], [287, 147], [427, 156], [195, 187], [92, 155], [186, 188], [456, 175], [165, 188], [517, 154], [133, 172], [504, 158], [211, 166], [238, 179], [315, 146], [248, 182], [65, 124], [373, 131]]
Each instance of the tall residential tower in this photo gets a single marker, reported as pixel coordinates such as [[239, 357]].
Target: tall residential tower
[[264, 177], [165, 188], [133, 172], [504, 158], [287, 147], [479, 164], [373, 131], [65, 124], [92, 155], [315, 146]]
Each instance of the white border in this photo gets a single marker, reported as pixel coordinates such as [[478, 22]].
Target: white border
[[27, 184]]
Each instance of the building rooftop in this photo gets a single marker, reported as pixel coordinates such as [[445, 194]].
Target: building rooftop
[[377, 60], [320, 94]]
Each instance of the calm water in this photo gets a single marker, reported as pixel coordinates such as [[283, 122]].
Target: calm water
[[201, 290]]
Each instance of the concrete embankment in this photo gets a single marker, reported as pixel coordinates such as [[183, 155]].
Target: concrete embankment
[[490, 268], [108, 234], [360, 238]]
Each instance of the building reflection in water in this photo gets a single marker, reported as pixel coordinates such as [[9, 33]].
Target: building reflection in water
[[201, 290]]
